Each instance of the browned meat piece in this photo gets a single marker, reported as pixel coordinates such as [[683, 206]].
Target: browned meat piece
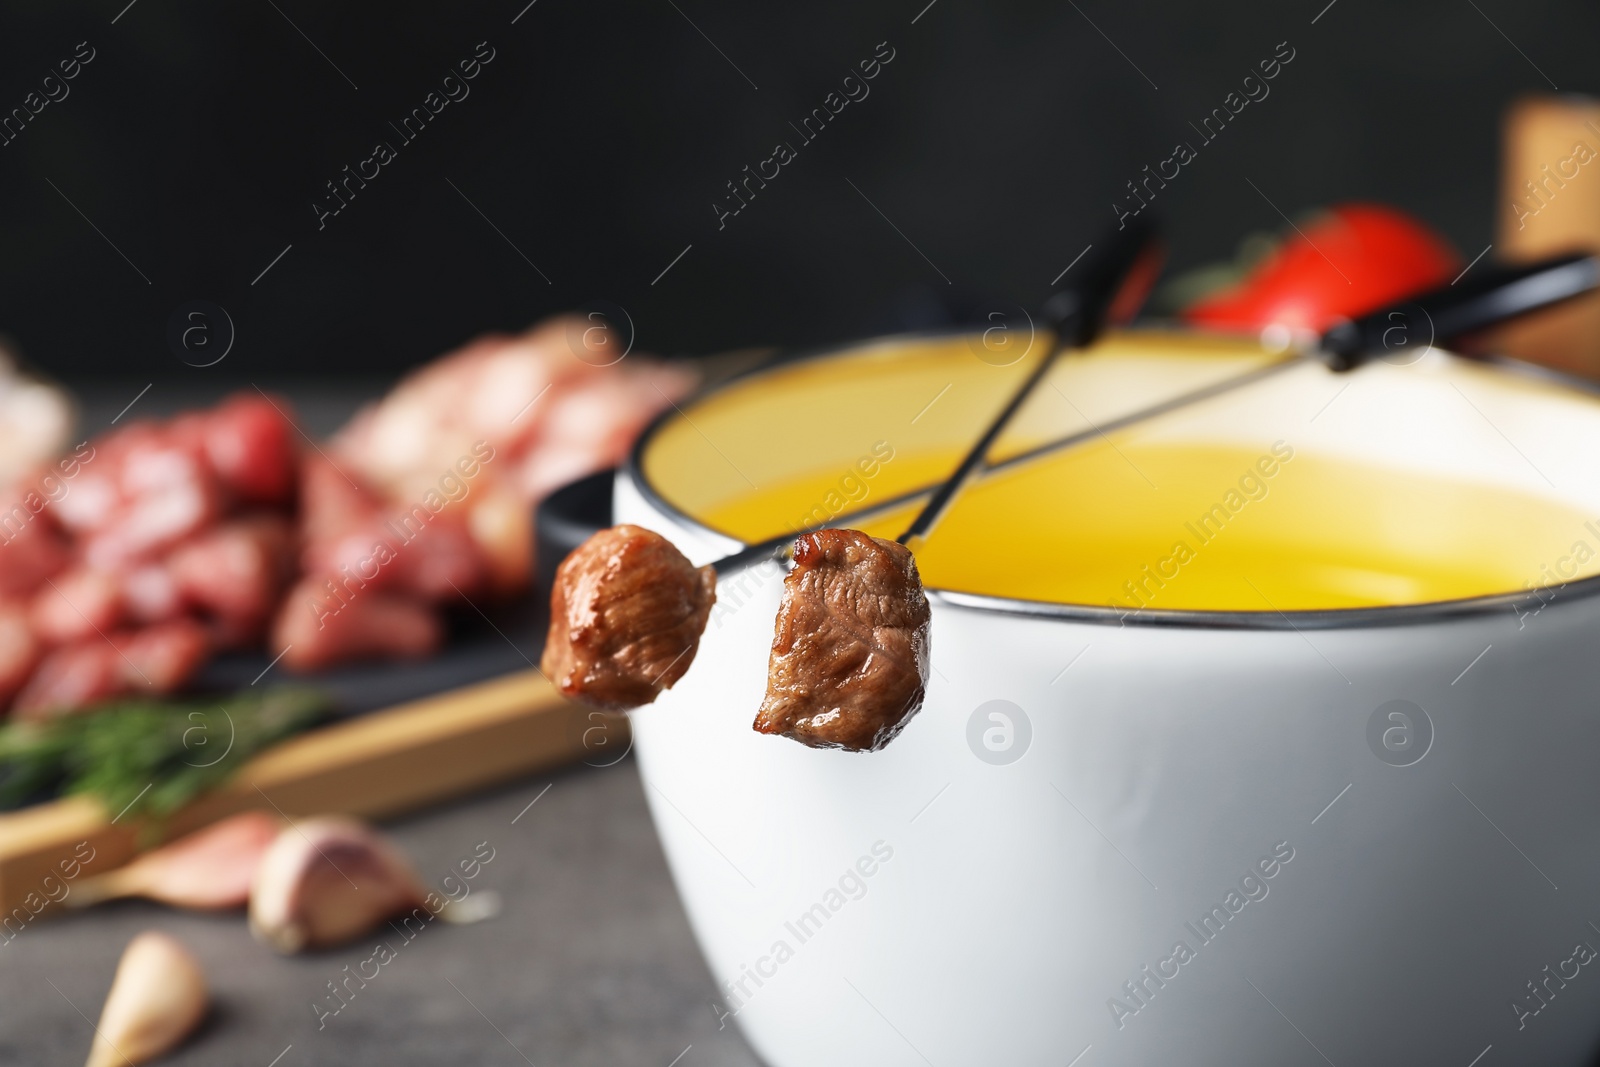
[[626, 616], [849, 660], [320, 625]]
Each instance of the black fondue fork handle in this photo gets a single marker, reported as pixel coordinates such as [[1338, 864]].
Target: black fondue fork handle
[[1111, 288], [1467, 305]]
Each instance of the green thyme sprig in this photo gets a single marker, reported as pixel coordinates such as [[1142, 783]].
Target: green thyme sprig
[[149, 757]]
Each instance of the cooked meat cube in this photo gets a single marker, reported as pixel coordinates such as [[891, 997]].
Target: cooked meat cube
[[321, 624], [626, 616], [849, 660]]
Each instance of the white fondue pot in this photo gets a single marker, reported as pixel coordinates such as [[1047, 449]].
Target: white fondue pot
[[1363, 836]]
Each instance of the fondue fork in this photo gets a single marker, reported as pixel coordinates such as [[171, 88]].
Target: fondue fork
[[1112, 288], [626, 594], [1445, 314]]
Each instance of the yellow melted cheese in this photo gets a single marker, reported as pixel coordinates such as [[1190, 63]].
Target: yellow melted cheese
[[1127, 521]]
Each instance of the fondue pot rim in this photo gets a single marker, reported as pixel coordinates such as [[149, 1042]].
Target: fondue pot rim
[[1313, 619]]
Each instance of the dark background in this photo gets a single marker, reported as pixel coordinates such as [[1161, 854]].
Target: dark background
[[600, 135]]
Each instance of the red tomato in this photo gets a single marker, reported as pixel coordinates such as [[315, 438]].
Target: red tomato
[[1351, 260]]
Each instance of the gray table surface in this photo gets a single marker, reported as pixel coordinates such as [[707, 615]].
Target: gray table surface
[[590, 961]]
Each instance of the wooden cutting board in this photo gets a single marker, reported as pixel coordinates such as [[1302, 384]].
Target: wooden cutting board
[[380, 764]]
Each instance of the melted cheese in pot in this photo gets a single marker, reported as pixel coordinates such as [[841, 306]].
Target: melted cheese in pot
[[1134, 520], [1205, 528]]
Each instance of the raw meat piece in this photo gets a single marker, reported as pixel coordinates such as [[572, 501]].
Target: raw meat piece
[[30, 550], [76, 606], [501, 524], [253, 448], [154, 661], [342, 527], [70, 678], [150, 593], [320, 629], [146, 491], [19, 651], [545, 407], [236, 570], [161, 659], [440, 561]]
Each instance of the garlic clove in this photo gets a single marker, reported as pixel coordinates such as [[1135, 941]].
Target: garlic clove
[[157, 999], [208, 869], [327, 880]]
